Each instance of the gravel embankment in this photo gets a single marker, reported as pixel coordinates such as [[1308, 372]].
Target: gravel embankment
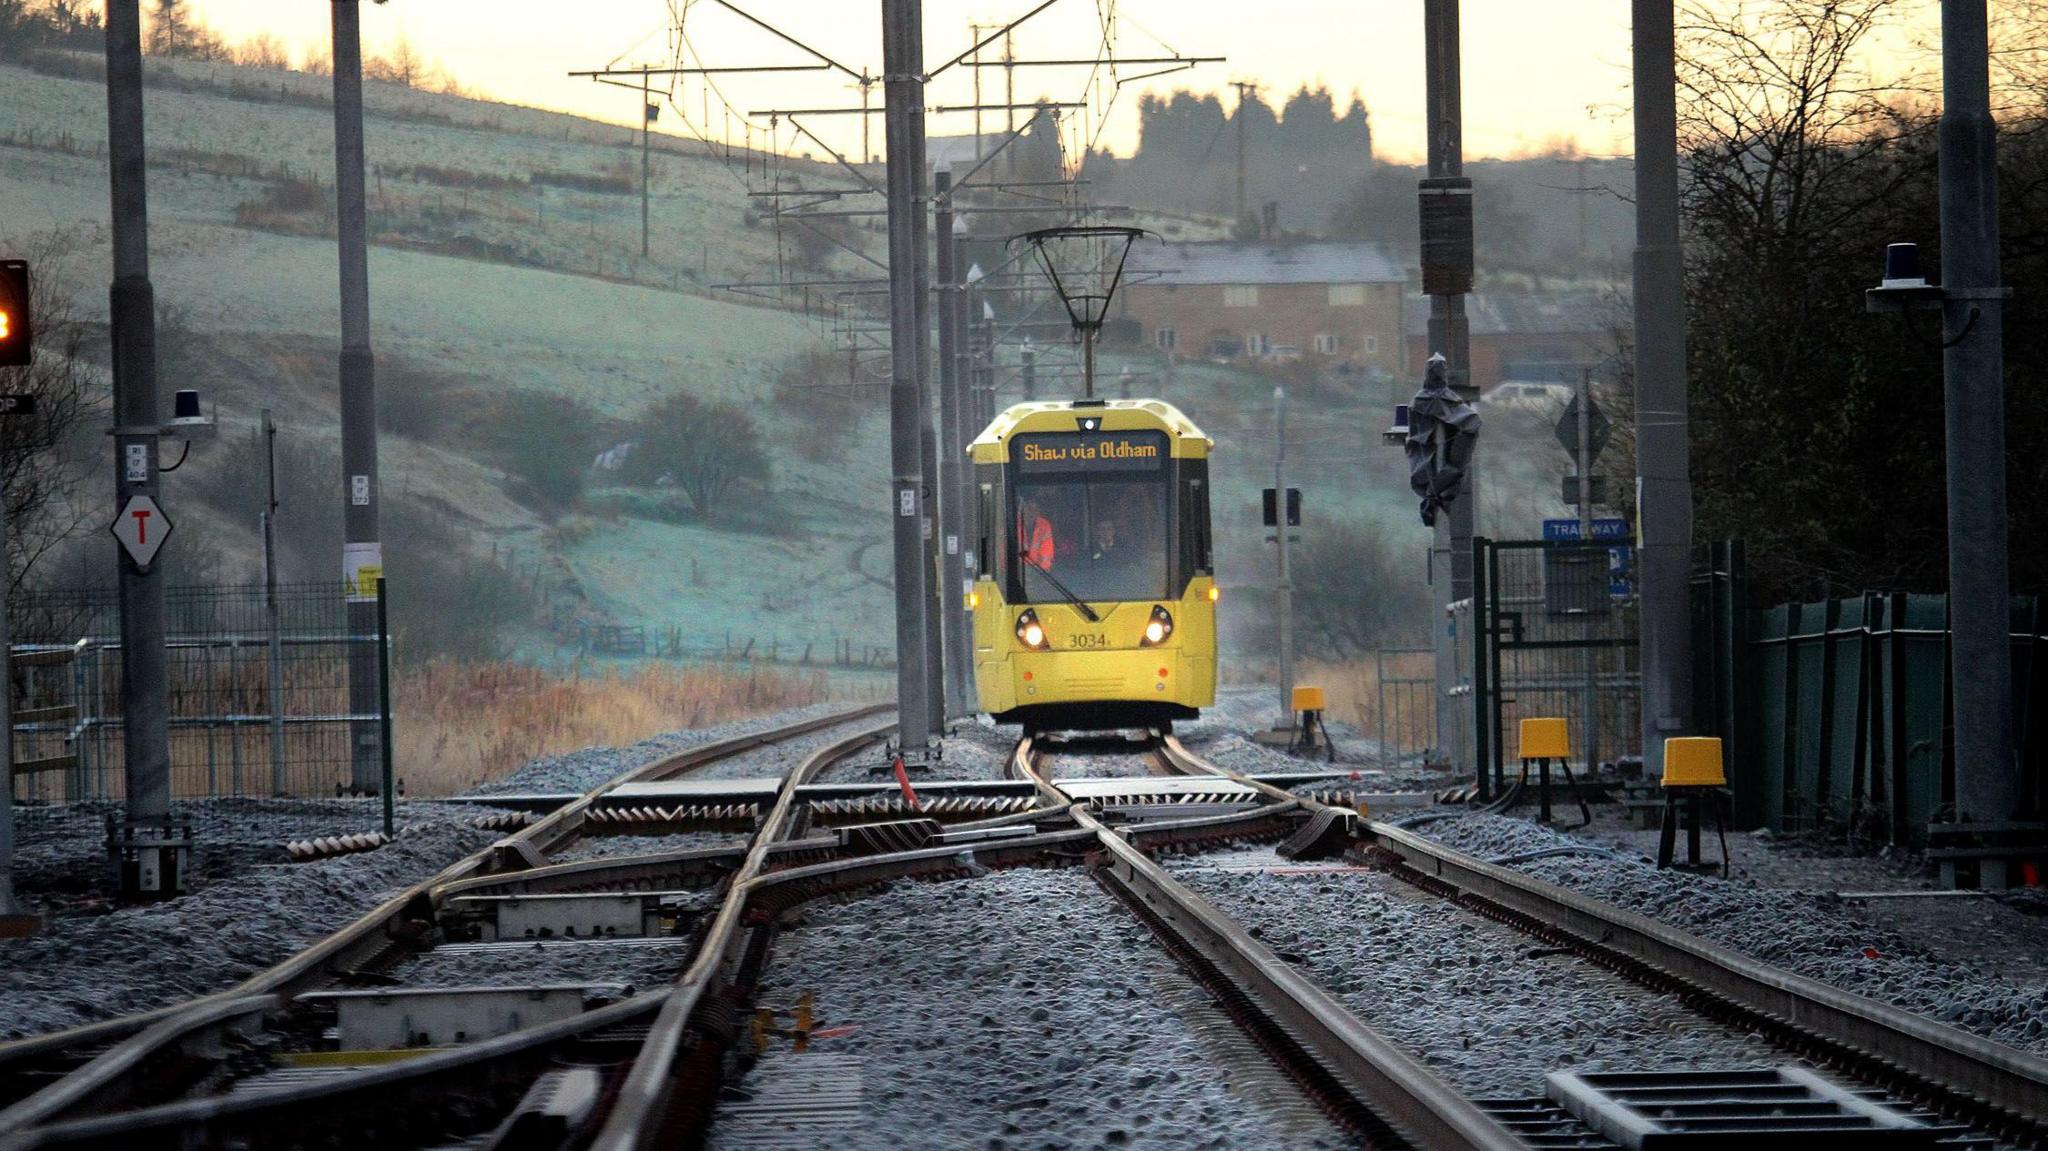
[[639, 964], [87, 968], [579, 771], [1812, 933], [1483, 1005], [608, 846], [1020, 1009]]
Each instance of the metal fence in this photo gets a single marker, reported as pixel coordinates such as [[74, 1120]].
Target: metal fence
[[1405, 685], [1555, 636], [1837, 712], [259, 701]]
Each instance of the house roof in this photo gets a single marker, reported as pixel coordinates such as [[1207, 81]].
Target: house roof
[[1573, 311], [1265, 262]]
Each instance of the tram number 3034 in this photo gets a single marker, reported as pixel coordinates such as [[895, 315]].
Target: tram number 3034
[[1087, 641]]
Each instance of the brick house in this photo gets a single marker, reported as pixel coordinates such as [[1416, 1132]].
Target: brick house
[[1335, 300], [1524, 334]]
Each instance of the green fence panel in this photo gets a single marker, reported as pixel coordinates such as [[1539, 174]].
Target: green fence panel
[[1773, 629]]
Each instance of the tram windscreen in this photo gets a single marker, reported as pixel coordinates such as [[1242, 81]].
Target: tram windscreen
[[1091, 516]]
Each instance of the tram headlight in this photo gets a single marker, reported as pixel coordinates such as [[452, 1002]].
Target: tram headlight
[[1158, 628], [1031, 633]]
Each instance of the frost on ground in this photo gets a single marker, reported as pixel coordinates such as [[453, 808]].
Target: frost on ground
[[1021, 1009], [579, 771], [639, 964], [87, 968], [973, 749], [1465, 995], [1223, 737], [1812, 933]]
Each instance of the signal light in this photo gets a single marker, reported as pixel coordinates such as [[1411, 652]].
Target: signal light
[[17, 328]]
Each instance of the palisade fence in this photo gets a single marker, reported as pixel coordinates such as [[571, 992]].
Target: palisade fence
[[1837, 713], [255, 709]]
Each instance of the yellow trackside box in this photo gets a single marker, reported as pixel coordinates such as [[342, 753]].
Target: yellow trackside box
[[1693, 761], [1308, 699], [1545, 739], [1094, 593]]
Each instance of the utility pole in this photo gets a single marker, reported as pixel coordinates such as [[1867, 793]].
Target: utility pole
[[646, 131], [903, 116], [928, 436], [1244, 90], [952, 471], [1447, 263], [14, 918], [362, 553], [1973, 377], [272, 607], [1589, 737], [1663, 474], [148, 851], [1285, 588]]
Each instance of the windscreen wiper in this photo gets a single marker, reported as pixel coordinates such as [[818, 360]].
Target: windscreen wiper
[[1079, 606]]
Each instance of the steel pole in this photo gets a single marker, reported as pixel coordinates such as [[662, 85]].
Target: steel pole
[[12, 913], [1450, 334], [145, 731], [646, 130], [272, 607], [1973, 376], [1663, 476], [1284, 598], [903, 109], [1027, 370], [953, 505], [1589, 734], [362, 549], [928, 436]]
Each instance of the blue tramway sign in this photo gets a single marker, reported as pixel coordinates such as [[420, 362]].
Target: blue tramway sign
[[1620, 558]]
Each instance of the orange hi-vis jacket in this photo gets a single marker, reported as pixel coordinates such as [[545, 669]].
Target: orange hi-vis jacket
[[1037, 544]]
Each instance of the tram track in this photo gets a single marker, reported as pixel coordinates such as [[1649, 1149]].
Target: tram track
[[665, 1049], [1963, 1078], [141, 1061]]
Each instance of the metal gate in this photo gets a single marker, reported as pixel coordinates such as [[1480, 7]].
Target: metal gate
[[1555, 636]]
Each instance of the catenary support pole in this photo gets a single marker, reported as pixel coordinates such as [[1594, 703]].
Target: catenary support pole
[[953, 503], [1027, 369], [1284, 588], [145, 733], [1447, 277], [646, 132], [928, 439], [362, 550], [903, 108], [273, 609], [1663, 474], [1589, 728], [1973, 376], [13, 916]]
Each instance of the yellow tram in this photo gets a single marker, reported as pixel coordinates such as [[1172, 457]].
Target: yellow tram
[[1095, 599]]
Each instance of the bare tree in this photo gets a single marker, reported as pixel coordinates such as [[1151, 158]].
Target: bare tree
[[403, 66], [264, 51], [45, 458]]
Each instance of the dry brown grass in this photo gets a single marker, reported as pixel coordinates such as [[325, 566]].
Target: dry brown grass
[[457, 725], [1354, 695]]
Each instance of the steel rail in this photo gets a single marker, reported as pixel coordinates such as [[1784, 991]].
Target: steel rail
[[423, 1081], [1973, 1076], [1377, 1075], [366, 934]]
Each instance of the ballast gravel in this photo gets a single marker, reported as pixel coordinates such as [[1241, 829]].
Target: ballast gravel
[[1488, 1008], [579, 771], [1021, 1009], [1811, 933], [612, 846], [971, 751], [86, 968], [640, 964]]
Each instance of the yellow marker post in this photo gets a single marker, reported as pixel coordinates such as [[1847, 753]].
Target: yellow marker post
[[1544, 741], [1694, 775]]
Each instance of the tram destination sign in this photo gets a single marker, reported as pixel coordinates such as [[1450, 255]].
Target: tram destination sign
[[1058, 453]]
